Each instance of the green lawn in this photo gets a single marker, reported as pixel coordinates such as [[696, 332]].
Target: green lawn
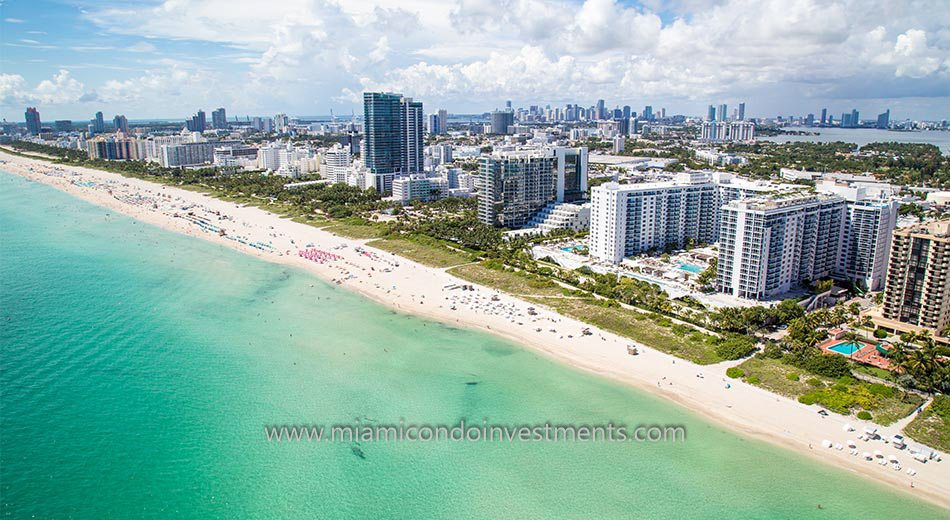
[[885, 404], [640, 327], [510, 282], [423, 249], [932, 426]]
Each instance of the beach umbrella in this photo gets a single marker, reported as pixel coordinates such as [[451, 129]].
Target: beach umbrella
[[866, 455], [826, 443], [878, 454], [851, 443], [847, 428]]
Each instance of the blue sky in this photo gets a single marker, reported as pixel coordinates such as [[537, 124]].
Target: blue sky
[[151, 59]]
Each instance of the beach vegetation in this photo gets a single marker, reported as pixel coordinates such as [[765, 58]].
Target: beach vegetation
[[735, 372], [843, 395], [735, 347], [932, 425]]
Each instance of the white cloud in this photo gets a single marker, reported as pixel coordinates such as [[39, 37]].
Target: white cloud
[[299, 54], [141, 47], [61, 89]]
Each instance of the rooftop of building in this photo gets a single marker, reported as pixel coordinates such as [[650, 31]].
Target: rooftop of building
[[783, 199], [939, 229]]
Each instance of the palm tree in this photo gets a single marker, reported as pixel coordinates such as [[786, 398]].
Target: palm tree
[[867, 323], [852, 338]]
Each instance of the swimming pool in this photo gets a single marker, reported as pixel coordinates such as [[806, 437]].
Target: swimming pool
[[691, 268], [847, 348], [572, 249]]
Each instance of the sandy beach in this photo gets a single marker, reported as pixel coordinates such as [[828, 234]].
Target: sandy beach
[[413, 288]]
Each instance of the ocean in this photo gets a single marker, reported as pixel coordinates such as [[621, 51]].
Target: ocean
[[139, 368]]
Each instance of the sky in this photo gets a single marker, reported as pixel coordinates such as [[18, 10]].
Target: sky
[[166, 59]]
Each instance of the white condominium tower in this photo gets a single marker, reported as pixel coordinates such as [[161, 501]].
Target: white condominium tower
[[866, 244], [722, 131], [770, 244], [635, 218]]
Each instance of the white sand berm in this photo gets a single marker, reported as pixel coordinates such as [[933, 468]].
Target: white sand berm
[[420, 290]]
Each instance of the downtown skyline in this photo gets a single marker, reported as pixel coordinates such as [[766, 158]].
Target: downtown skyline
[[166, 60]]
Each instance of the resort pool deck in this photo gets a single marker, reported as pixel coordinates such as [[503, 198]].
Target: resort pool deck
[[846, 348], [691, 268], [858, 351]]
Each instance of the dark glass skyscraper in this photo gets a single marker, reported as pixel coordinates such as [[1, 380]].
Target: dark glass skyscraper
[[198, 122], [394, 136], [219, 119], [884, 120], [121, 124], [98, 123], [33, 124]]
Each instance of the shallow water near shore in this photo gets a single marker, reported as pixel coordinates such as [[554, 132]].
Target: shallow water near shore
[[139, 367]]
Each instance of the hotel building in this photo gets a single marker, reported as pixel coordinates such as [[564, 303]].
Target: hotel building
[[636, 218], [770, 244]]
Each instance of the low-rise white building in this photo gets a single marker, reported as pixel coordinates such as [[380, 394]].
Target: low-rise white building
[[408, 188]]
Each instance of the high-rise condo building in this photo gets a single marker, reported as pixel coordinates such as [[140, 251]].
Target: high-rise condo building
[[726, 131], [636, 218], [502, 121], [917, 295], [845, 120], [281, 123], [98, 123], [869, 226], [601, 109], [741, 116], [515, 185], [443, 121], [33, 124], [721, 113], [884, 120], [711, 113], [769, 245], [121, 124], [197, 123], [394, 137], [824, 116], [219, 119]]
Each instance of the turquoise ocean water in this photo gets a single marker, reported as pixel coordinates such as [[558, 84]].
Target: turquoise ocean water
[[139, 366]]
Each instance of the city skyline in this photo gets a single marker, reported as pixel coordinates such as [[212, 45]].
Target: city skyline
[[167, 60]]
